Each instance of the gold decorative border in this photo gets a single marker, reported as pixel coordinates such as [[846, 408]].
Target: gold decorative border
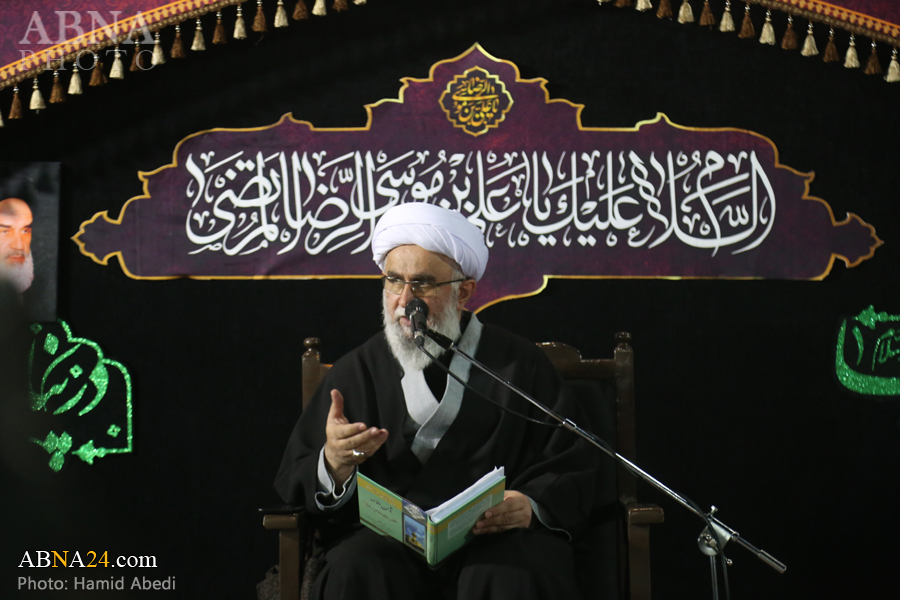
[[143, 176], [92, 41], [835, 16]]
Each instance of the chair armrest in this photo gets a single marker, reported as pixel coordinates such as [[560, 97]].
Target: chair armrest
[[643, 514], [283, 517], [294, 542], [281, 521]]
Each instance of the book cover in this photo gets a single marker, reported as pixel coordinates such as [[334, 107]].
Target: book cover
[[432, 534]]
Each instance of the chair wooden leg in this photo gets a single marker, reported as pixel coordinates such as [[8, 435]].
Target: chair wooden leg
[[288, 563], [638, 563]]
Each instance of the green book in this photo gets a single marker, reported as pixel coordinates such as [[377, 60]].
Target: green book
[[433, 534]]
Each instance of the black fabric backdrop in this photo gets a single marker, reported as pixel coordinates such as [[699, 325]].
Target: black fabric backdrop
[[737, 401]]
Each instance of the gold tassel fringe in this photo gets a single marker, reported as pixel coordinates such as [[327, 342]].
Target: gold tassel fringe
[[665, 9], [809, 44], [37, 99], [118, 69], [259, 19], [98, 77], [240, 26], [851, 60], [789, 41], [177, 50], [893, 72], [726, 25], [15, 111], [620, 3], [339, 6], [301, 13], [685, 13], [158, 57], [137, 61], [281, 19], [831, 53], [873, 66], [747, 30], [199, 44], [768, 32], [58, 93], [643, 5], [319, 8], [75, 87], [707, 19], [219, 35]]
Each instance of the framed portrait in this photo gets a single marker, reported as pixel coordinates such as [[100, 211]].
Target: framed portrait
[[29, 234]]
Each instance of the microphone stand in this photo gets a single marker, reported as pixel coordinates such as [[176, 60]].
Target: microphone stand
[[714, 536]]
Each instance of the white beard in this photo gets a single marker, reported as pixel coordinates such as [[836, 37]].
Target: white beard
[[400, 338], [20, 276]]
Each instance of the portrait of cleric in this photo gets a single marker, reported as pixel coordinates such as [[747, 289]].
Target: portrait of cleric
[[388, 411], [29, 214]]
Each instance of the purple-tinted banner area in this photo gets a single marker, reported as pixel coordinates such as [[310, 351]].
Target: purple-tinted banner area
[[553, 199]]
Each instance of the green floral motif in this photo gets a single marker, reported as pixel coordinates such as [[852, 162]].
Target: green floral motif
[[51, 343], [61, 443], [87, 452], [57, 446], [85, 407], [873, 376]]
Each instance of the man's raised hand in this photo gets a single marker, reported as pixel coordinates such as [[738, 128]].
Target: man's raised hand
[[348, 444]]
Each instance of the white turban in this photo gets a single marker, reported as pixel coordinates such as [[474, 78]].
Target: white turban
[[433, 228]]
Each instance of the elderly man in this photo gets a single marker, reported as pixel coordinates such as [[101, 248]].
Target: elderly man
[[386, 411], [16, 262]]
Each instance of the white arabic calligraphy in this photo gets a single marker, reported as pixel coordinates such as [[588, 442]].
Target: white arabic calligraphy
[[243, 204]]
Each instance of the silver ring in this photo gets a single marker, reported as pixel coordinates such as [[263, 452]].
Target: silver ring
[[357, 454]]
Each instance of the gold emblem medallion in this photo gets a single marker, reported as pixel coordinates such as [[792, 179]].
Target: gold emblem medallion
[[476, 101]]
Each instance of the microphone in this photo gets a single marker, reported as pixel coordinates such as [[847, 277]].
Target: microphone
[[417, 313]]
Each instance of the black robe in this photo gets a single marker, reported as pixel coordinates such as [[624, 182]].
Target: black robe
[[550, 465]]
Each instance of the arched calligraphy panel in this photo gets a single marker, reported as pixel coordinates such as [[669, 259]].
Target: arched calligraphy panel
[[553, 198]]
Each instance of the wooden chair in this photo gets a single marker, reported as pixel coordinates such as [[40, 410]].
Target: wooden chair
[[606, 389]]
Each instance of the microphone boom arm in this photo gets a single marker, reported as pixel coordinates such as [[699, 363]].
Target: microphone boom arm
[[719, 530]]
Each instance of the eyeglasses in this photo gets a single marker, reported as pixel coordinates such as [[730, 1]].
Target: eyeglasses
[[419, 289]]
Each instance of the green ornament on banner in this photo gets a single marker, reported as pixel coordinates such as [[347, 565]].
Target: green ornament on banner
[[86, 396], [868, 360]]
